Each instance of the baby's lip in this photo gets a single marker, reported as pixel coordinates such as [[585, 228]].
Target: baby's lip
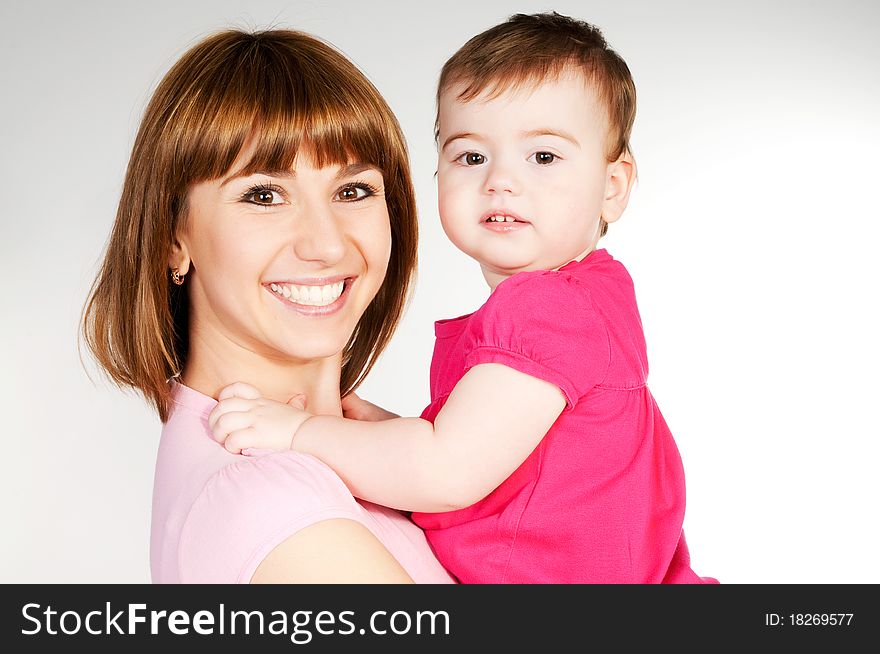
[[505, 213]]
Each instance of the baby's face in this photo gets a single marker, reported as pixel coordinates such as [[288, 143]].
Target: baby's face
[[522, 177]]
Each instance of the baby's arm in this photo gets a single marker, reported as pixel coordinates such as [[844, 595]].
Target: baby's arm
[[492, 420], [244, 419]]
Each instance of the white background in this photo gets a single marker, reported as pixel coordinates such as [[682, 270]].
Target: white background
[[751, 237]]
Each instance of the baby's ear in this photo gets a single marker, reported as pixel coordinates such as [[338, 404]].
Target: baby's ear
[[619, 180]]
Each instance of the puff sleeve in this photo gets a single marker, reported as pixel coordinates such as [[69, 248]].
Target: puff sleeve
[[543, 324]]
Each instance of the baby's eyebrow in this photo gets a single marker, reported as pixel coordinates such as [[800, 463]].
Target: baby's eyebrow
[[527, 134], [459, 135], [547, 131]]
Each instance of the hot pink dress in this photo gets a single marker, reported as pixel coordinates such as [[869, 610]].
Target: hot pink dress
[[602, 497]]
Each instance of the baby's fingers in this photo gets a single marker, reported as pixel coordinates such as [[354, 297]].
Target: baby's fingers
[[239, 389], [298, 401], [231, 422], [240, 439], [354, 407], [229, 405], [351, 402]]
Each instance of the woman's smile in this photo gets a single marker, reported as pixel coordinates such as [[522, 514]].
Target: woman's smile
[[319, 297]]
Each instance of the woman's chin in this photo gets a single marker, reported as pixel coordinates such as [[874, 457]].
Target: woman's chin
[[311, 348]]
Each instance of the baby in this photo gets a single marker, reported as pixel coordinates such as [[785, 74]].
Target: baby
[[543, 457]]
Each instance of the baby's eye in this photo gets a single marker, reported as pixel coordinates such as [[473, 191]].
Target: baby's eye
[[263, 196], [472, 159], [543, 158]]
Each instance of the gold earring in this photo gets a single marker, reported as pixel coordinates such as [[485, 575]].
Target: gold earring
[[176, 277]]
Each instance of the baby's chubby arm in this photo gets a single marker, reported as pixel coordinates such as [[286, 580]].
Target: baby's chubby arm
[[244, 419], [493, 419]]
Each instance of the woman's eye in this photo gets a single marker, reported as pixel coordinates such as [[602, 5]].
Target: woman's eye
[[265, 197], [472, 159], [355, 192], [544, 158]]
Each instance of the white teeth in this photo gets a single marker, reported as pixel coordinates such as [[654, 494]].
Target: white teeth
[[500, 219], [319, 296]]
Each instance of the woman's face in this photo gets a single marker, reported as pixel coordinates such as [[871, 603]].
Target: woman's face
[[284, 263]]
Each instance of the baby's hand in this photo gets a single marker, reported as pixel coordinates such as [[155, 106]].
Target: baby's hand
[[244, 419], [355, 408]]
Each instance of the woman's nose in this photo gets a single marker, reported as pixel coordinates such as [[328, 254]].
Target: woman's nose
[[319, 235]]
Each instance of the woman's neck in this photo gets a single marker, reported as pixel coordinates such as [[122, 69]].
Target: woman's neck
[[211, 366]]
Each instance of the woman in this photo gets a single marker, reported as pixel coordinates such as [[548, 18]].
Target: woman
[[266, 233]]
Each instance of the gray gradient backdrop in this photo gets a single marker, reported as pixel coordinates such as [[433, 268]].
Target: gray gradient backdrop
[[751, 237]]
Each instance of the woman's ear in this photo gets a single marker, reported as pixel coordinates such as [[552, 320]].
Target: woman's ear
[[179, 258], [619, 180]]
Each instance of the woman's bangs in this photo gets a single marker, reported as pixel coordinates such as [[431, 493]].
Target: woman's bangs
[[329, 130]]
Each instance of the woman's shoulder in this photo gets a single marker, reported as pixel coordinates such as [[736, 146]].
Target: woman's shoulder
[[286, 481], [214, 511], [189, 454], [249, 506]]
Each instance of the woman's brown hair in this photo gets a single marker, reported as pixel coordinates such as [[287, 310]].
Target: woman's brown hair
[[276, 91]]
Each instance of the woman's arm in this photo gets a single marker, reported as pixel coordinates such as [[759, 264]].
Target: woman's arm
[[337, 551]]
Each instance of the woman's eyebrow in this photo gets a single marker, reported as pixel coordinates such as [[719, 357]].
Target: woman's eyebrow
[[355, 169], [344, 171], [268, 173]]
